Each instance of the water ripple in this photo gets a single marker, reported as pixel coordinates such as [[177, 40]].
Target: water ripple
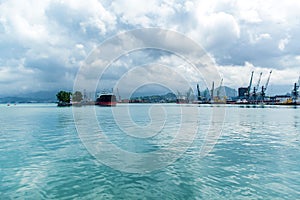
[[257, 157]]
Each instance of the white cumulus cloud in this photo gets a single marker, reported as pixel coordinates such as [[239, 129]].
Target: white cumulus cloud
[[43, 43]]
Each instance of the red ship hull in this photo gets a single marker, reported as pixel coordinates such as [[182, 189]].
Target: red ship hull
[[106, 100], [106, 103]]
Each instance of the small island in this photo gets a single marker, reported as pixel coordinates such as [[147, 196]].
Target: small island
[[64, 98]]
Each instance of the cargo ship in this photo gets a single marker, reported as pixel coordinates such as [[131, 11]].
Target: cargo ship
[[181, 99], [106, 100]]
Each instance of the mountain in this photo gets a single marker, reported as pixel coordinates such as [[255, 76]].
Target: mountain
[[33, 97], [166, 98], [229, 92], [42, 95], [223, 91]]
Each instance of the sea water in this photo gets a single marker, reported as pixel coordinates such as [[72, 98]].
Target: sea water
[[44, 156]]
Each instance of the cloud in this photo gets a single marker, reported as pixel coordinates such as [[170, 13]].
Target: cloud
[[282, 43], [152, 74], [43, 43], [83, 17], [140, 14]]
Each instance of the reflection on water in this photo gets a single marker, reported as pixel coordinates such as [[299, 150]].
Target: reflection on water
[[257, 156]]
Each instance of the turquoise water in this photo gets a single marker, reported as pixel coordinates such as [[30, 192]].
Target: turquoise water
[[256, 157]]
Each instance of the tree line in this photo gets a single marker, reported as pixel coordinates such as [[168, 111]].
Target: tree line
[[65, 97]]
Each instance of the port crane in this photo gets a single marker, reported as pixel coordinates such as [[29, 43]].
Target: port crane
[[264, 88], [298, 86], [255, 89], [219, 89], [250, 85], [258, 83], [199, 95], [218, 97], [212, 91], [295, 92]]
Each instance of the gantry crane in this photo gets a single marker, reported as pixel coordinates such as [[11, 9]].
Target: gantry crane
[[199, 94], [212, 92], [219, 89], [295, 92], [250, 85], [218, 97], [255, 89], [258, 83], [264, 88]]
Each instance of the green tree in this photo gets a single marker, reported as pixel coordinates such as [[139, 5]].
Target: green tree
[[64, 96], [77, 96]]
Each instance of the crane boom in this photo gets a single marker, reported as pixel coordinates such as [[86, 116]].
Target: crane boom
[[258, 83], [221, 83], [199, 94], [219, 89], [212, 90], [295, 92], [250, 84], [267, 83]]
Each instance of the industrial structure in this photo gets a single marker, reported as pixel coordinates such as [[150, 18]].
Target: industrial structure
[[249, 96], [295, 93]]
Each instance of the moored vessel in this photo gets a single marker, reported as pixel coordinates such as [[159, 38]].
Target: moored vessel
[[106, 100]]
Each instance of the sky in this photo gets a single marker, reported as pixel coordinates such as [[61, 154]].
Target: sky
[[44, 43]]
